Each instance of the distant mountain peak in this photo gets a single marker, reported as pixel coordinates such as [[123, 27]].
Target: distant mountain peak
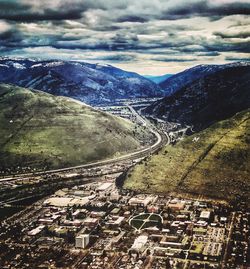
[[211, 94], [188, 76], [91, 83]]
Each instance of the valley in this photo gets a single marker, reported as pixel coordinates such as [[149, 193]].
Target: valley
[[191, 164], [177, 165], [204, 150], [18, 187], [124, 134]]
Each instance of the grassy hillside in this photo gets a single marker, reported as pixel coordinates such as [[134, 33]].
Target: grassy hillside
[[217, 165], [42, 131]]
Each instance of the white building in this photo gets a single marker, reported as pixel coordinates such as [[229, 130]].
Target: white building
[[82, 241], [140, 242], [141, 201], [205, 215]]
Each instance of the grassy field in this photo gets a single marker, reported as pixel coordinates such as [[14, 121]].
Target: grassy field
[[42, 131], [217, 165], [145, 221]]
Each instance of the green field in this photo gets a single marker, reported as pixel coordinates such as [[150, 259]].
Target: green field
[[146, 220], [217, 165], [41, 131]]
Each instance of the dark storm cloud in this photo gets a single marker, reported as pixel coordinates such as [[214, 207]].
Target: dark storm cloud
[[237, 59], [44, 10], [204, 8], [125, 39], [208, 53], [12, 8], [143, 11], [49, 15], [181, 60], [83, 46], [11, 38], [239, 46], [233, 35], [117, 58], [120, 45], [110, 28], [131, 18], [14, 37], [159, 30], [15, 11]]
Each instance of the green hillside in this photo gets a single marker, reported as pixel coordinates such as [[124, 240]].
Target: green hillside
[[42, 131], [217, 165]]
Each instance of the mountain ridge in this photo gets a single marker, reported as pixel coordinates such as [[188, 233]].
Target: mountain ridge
[[42, 131], [188, 76], [90, 83], [214, 163], [208, 99]]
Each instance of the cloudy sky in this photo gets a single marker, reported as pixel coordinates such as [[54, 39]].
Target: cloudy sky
[[146, 36]]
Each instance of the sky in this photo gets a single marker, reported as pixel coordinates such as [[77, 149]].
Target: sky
[[150, 37]]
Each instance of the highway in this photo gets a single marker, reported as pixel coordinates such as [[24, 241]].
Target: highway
[[130, 156]]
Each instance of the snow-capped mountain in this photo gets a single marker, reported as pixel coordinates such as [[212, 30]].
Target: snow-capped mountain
[[91, 83], [176, 82], [221, 92]]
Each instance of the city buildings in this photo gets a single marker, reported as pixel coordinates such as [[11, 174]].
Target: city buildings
[[82, 241], [134, 231]]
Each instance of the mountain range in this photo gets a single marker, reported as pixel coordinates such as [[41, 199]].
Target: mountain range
[[90, 83], [214, 161], [172, 84], [216, 93], [43, 131]]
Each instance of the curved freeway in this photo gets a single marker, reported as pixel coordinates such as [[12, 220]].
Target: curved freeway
[[130, 156]]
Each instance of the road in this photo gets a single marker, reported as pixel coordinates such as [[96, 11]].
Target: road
[[130, 156], [224, 261], [147, 123]]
